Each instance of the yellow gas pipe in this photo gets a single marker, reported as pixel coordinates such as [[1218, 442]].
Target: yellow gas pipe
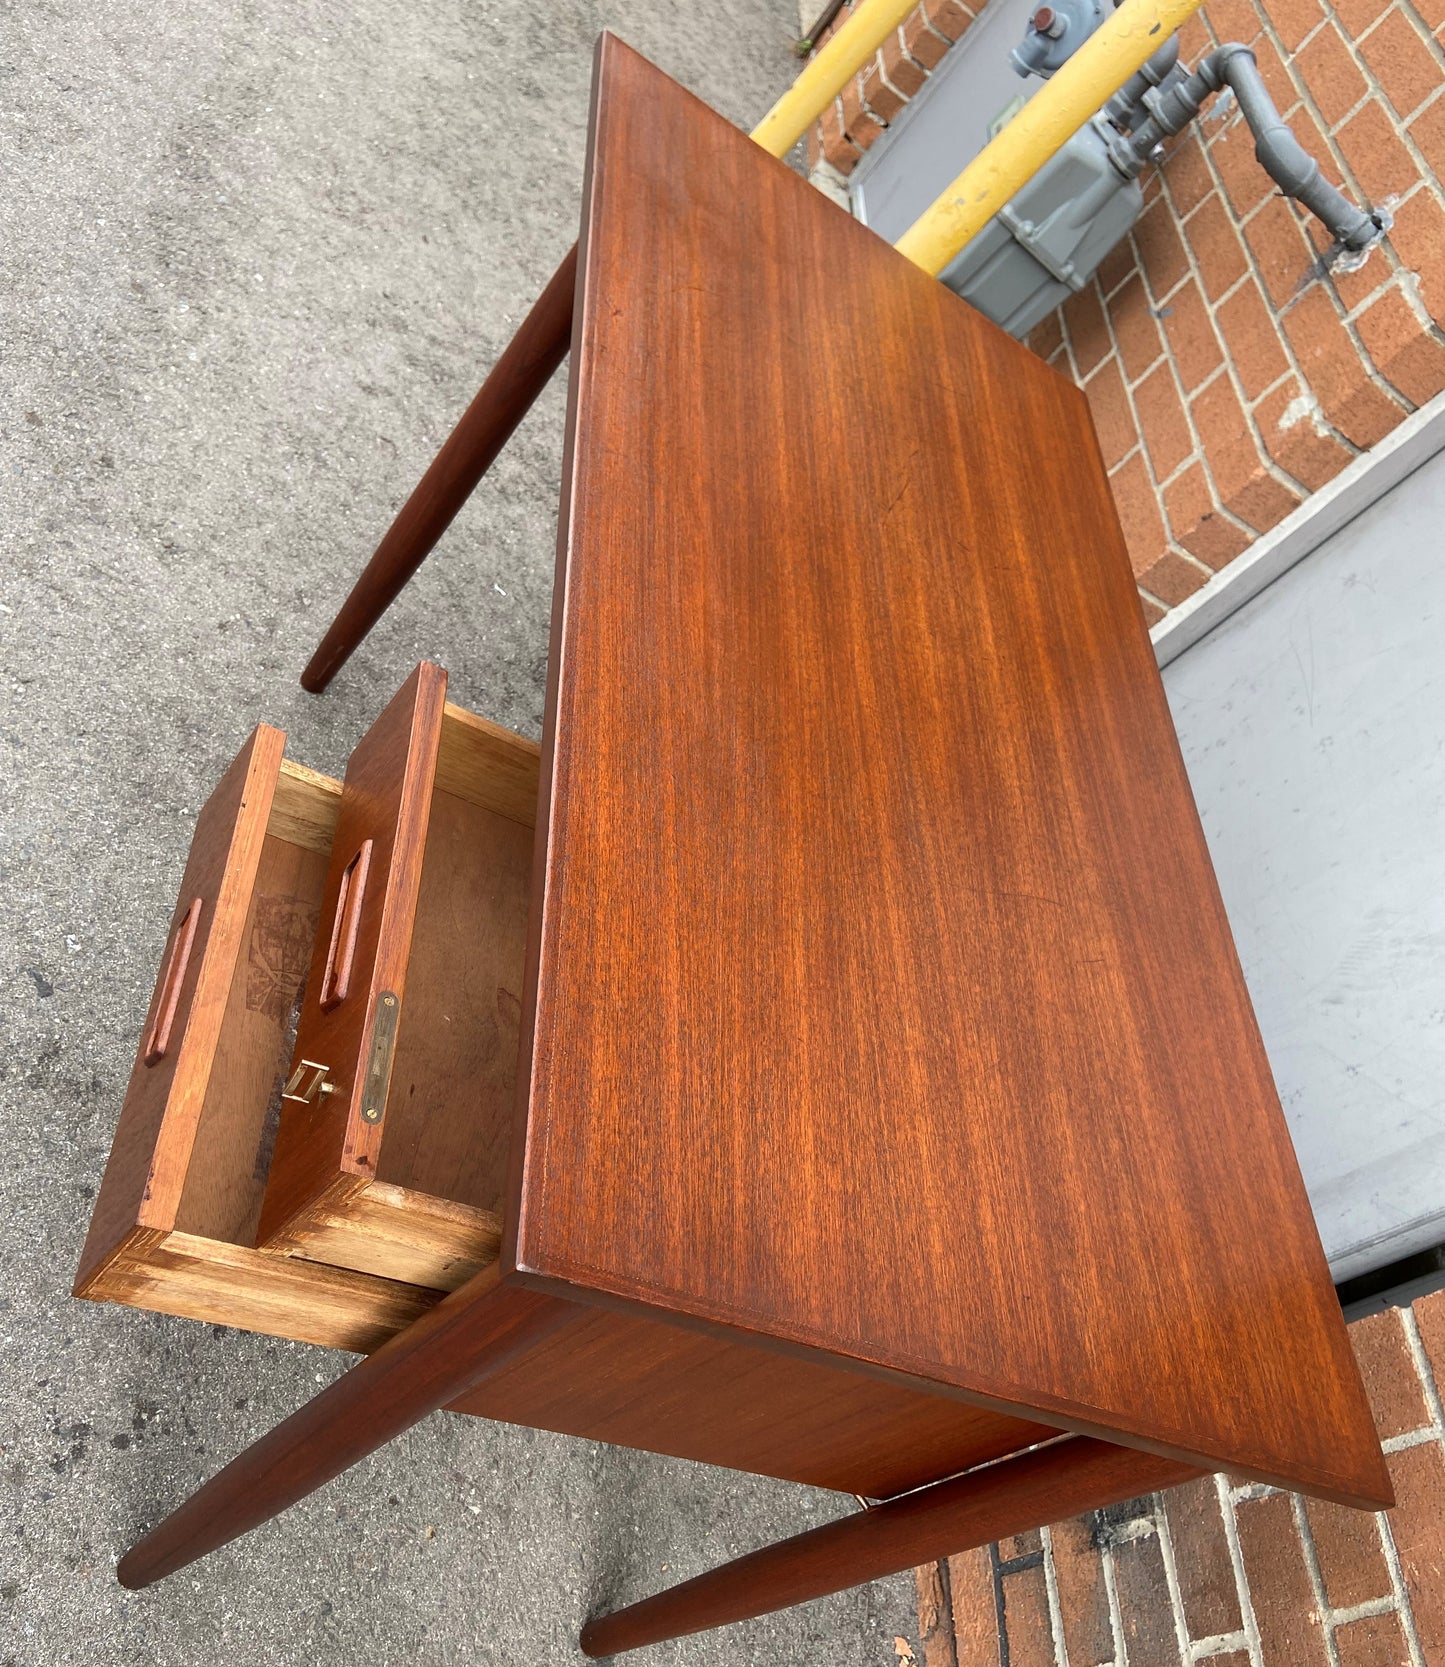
[[1121, 45], [828, 71]]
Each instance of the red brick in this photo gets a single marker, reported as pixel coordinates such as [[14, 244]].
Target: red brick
[[1145, 1615], [1196, 1526], [1405, 353], [1332, 75], [1388, 1368], [1231, 20], [950, 19], [1290, 427], [1331, 365], [975, 1615], [1139, 515], [925, 45], [1245, 183], [1163, 426], [1347, 1546], [1046, 337], [838, 148], [1401, 62], [1418, 236], [1135, 329], [1191, 336], [884, 100], [1161, 249], [1428, 132], [1279, 1584], [1083, 1599], [1246, 488], [1087, 330], [1430, 1318], [1377, 1641], [1198, 527], [1187, 174], [861, 126], [900, 67], [1293, 19], [1026, 1619], [1284, 255], [1173, 579], [1152, 611], [1252, 339], [1116, 266], [1433, 12], [1277, 79], [1352, 283], [1194, 36], [1418, 1524], [1358, 15], [1371, 143], [935, 1625], [1216, 247], [1020, 1545]]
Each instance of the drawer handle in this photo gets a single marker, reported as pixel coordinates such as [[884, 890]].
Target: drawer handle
[[344, 930], [178, 958]]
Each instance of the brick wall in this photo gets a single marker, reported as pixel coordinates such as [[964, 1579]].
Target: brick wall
[[1236, 1575], [1229, 374]]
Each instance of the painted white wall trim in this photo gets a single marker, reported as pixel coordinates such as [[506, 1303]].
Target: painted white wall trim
[[1322, 514]]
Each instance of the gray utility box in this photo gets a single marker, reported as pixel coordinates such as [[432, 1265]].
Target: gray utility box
[[1075, 210], [1047, 242]]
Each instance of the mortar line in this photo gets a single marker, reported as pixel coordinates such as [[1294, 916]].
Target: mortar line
[[1241, 1583], [1316, 1579]]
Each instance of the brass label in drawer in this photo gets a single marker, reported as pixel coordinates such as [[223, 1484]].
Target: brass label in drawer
[[378, 1062]]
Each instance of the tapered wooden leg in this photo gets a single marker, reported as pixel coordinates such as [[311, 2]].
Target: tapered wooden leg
[[1011, 1497], [461, 1342], [534, 353]]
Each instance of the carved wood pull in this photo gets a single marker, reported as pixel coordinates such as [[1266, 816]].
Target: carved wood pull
[[178, 958], [344, 929]]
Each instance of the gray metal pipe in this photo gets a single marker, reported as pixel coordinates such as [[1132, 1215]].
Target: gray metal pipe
[[1127, 106], [1178, 100]]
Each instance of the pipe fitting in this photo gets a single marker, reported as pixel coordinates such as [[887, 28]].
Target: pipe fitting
[[1177, 100]]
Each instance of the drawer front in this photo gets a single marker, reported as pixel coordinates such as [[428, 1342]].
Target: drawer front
[[329, 1141], [151, 1156], [175, 1218]]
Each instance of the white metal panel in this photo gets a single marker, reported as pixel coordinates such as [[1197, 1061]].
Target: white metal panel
[[1313, 727], [946, 125]]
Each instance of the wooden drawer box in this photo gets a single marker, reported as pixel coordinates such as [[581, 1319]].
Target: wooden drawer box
[[358, 1222], [392, 1152]]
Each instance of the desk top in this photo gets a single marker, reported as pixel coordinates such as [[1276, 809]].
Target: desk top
[[882, 1003]]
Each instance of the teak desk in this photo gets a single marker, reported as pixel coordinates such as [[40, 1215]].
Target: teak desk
[[889, 1110]]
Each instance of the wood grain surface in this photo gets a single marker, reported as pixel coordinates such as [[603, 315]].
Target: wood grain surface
[[449, 1350], [881, 999], [197, 1278], [155, 1140], [662, 1388], [386, 799], [1053, 1482]]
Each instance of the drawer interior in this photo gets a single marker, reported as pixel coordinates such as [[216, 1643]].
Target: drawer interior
[[407, 1181], [174, 1223]]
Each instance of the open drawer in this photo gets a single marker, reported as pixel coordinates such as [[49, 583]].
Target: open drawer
[[314, 1217], [175, 1219], [391, 1157]]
